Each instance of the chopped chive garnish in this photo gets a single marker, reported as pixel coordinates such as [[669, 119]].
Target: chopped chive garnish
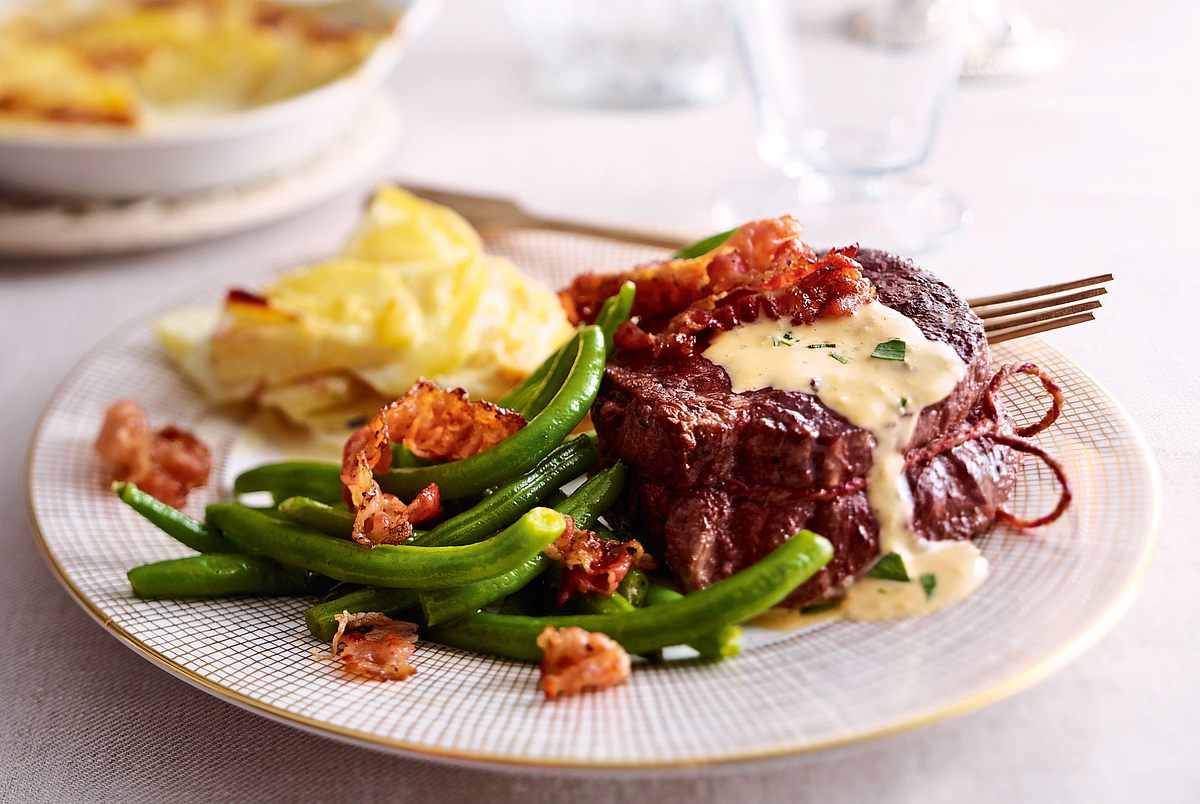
[[822, 345], [903, 404], [786, 339], [889, 568], [890, 350], [839, 358], [928, 583]]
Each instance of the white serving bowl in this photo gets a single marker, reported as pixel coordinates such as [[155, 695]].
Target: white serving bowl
[[223, 150]]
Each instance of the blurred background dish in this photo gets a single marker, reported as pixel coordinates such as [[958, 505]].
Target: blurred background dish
[[134, 100], [55, 227]]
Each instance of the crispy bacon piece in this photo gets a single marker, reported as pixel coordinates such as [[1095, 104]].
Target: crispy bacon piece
[[166, 464], [382, 518], [592, 565], [665, 288], [764, 269], [426, 505], [661, 289], [382, 652], [433, 423], [575, 660], [832, 286]]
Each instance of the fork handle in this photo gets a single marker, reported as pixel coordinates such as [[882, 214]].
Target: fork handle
[[641, 238]]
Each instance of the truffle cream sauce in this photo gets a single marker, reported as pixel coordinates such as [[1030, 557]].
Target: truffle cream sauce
[[831, 358]]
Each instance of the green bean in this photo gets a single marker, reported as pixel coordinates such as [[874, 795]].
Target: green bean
[[524, 449], [721, 643], [518, 397], [221, 574], [316, 479], [727, 602], [176, 524], [702, 247], [403, 456], [319, 516], [338, 590], [616, 311], [510, 501], [526, 398], [555, 498], [447, 605], [329, 519], [595, 496], [633, 587], [499, 509], [540, 396], [602, 604], [392, 602], [520, 602], [402, 566], [530, 400]]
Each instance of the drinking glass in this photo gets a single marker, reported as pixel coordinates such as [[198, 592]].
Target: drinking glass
[[848, 98], [626, 53]]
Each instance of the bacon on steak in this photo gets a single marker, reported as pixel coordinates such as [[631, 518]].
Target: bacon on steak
[[763, 269]]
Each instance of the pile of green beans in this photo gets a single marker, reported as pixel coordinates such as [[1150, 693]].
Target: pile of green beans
[[486, 558], [525, 448], [735, 599], [585, 505], [403, 566]]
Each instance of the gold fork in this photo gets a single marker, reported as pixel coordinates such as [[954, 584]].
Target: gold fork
[[1005, 316], [1028, 312]]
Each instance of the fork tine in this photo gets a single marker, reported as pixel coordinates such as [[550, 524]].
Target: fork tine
[[1009, 321], [1040, 303], [1045, 290], [1044, 326]]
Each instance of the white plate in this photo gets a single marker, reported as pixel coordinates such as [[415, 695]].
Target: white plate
[[1051, 594], [223, 150]]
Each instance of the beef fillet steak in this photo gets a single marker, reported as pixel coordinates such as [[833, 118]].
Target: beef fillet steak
[[719, 479]]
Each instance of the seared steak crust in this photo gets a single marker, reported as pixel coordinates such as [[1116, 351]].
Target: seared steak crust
[[720, 479]]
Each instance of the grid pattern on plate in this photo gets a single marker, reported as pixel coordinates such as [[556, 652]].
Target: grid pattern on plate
[[788, 691]]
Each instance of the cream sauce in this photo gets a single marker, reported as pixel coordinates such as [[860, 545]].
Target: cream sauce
[[831, 358]]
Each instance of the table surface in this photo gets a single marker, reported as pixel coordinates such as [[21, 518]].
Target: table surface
[[1092, 168]]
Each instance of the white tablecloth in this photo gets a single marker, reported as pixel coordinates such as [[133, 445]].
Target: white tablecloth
[[1092, 168]]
